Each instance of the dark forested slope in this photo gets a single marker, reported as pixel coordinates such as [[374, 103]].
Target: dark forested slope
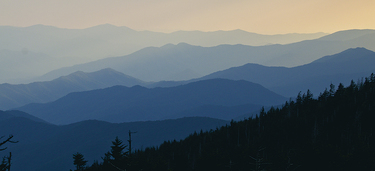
[[332, 132], [46, 147]]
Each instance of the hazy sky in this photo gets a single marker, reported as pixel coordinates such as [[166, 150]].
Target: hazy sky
[[260, 16]]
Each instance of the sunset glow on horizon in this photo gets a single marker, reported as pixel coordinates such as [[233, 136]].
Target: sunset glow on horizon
[[265, 17]]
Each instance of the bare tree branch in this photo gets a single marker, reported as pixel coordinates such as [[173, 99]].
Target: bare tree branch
[[7, 140]]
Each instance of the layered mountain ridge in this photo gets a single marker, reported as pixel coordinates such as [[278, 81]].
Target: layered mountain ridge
[[146, 63], [12, 96], [67, 47], [351, 64], [124, 104]]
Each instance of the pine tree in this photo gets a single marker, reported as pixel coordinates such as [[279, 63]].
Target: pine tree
[[79, 161], [117, 150], [117, 156]]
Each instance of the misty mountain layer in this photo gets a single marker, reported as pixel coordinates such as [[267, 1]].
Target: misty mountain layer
[[21, 48], [352, 64], [184, 61], [12, 96], [109, 40], [123, 104]]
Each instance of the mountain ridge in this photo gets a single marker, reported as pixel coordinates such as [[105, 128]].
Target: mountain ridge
[[5, 115], [264, 76], [137, 103], [68, 47], [353, 63], [146, 63], [12, 96], [344, 34], [44, 147]]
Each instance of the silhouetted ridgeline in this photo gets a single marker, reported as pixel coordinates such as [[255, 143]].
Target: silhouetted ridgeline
[[332, 132], [46, 147]]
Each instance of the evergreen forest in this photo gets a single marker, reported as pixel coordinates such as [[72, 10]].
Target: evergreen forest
[[333, 131]]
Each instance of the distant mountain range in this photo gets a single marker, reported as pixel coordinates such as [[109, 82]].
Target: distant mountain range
[[184, 61], [351, 64], [12, 96], [109, 40], [122, 104], [59, 47], [45, 147], [316, 76]]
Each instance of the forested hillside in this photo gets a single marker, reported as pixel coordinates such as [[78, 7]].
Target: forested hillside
[[46, 147], [333, 131]]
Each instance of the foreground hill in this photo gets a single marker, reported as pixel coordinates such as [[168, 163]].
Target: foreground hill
[[12, 96], [333, 132], [350, 64], [184, 61], [46, 147], [123, 104]]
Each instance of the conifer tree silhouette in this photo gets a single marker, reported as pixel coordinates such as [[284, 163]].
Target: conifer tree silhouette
[[79, 161]]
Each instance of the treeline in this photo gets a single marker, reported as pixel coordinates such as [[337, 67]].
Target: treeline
[[331, 132]]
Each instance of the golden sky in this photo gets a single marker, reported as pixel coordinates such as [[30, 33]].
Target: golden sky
[[259, 16]]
